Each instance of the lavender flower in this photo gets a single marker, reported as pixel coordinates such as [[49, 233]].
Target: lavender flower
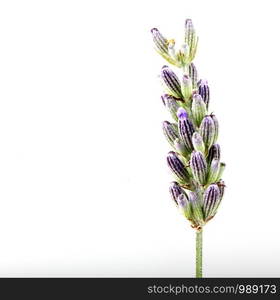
[[171, 82], [211, 199], [207, 131], [199, 167], [186, 128], [214, 152], [177, 167], [170, 131], [203, 90], [199, 187], [175, 190], [193, 74]]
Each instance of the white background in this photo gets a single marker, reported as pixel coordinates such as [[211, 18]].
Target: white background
[[83, 176]]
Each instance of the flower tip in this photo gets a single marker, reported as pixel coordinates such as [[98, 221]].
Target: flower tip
[[181, 113], [188, 21], [171, 153], [154, 30]]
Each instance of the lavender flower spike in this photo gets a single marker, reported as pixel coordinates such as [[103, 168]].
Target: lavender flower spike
[[196, 159], [199, 167], [171, 82], [177, 167]]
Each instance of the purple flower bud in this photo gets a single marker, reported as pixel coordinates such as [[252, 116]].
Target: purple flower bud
[[182, 114], [193, 74], [211, 199], [199, 167], [198, 109], [186, 129], [177, 166], [207, 131], [171, 104], [214, 152], [216, 123], [170, 132], [175, 190], [204, 92], [160, 41], [171, 82], [198, 143]]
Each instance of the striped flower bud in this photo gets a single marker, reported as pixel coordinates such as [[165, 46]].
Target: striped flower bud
[[207, 131], [171, 82], [214, 171], [211, 200], [184, 205], [199, 167], [189, 31], [193, 75], [160, 41], [198, 143], [186, 87], [170, 132], [204, 92], [197, 212], [180, 147], [186, 128], [175, 190], [216, 123], [177, 166], [214, 152], [171, 104], [198, 109], [190, 38]]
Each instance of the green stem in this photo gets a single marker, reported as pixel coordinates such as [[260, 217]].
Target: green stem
[[199, 253]]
